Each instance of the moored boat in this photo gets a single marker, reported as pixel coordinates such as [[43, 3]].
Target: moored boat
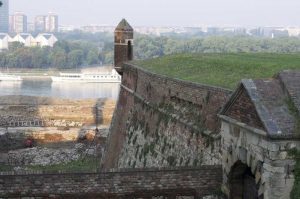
[[109, 77], [8, 77]]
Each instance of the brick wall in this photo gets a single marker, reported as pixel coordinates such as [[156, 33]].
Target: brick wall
[[243, 110], [201, 181], [161, 120]]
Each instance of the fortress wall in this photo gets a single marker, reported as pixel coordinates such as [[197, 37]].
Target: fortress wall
[[162, 122]]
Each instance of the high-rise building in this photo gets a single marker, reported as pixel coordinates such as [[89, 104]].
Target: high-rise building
[[19, 22], [4, 16], [51, 23], [11, 23], [30, 27], [40, 23]]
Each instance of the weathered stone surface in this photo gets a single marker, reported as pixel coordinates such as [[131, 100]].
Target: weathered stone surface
[[267, 159], [160, 121]]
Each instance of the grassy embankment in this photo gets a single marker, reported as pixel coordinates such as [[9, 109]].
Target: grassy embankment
[[224, 70]]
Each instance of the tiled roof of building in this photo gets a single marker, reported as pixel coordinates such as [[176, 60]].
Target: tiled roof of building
[[276, 101], [47, 36], [25, 35], [2, 36], [291, 80], [124, 26]]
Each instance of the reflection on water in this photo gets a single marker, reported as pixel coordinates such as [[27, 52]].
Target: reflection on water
[[60, 89]]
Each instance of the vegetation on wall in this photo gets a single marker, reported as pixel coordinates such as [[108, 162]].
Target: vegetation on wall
[[87, 164], [224, 70], [172, 140], [295, 194], [295, 113]]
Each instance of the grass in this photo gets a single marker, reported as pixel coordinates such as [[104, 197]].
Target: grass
[[89, 164], [4, 168], [224, 70]]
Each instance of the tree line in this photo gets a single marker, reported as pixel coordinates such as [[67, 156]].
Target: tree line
[[64, 54], [78, 49]]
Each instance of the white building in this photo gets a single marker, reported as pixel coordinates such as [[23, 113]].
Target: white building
[[46, 39], [4, 41], [27, 39]]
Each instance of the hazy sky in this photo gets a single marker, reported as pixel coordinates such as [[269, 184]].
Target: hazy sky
[[167, 12]]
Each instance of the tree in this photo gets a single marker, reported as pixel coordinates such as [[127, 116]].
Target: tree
[[58, 59], [75, 58], [92, 58], [13, 46]]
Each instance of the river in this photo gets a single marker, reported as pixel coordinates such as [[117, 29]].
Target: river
[[69, 90]]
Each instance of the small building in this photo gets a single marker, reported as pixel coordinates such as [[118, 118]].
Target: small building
[[27, 39], [4, 40], [46, 39], [260, 125]]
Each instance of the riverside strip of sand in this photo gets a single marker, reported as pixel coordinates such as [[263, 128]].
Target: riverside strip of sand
[[55, 111]]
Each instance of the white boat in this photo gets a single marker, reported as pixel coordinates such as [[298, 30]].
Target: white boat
[[7, 77], [108, 77]]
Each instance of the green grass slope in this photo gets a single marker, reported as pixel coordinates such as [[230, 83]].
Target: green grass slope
[[224, 70]]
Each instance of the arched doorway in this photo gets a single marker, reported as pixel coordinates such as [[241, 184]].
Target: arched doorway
[[242, 182]]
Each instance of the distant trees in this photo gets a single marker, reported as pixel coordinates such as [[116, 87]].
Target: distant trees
[[149, 47], [76, 49], [64, 54]]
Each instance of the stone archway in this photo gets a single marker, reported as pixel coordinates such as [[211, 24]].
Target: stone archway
[[242, 183]]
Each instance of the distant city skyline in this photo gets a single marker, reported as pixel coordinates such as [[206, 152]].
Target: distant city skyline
[[247, 13]]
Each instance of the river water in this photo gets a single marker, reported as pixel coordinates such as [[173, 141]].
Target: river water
[[69, 90]]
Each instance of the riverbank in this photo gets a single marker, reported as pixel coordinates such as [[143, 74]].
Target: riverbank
[[28, 111], [62, 131]]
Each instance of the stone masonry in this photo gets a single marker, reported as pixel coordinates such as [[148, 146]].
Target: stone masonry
[[161, 121], [260, 126]]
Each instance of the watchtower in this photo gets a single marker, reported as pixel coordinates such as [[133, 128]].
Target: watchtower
[[123, 45]]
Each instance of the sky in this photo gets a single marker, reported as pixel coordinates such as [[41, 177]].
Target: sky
[[247, 13]]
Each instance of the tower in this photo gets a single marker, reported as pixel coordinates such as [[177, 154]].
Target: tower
[[4, 16], [123, 45]]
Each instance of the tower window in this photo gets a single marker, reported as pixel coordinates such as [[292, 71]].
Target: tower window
[[129, 55]]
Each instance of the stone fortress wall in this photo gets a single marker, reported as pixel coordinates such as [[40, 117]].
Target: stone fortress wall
[[162, 122]]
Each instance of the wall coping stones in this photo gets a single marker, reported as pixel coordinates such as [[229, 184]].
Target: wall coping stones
[[107, 171], [257, 131]]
